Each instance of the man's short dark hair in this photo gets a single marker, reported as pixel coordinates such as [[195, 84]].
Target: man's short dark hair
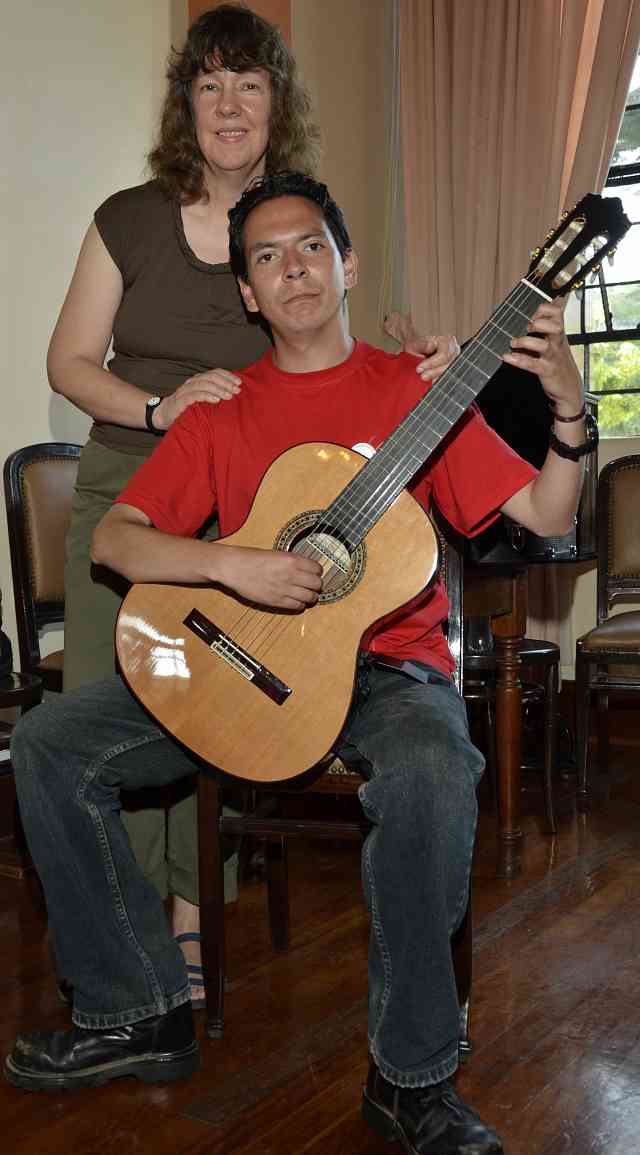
[[282, 184]]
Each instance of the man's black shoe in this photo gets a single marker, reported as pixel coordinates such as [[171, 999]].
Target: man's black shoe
[[426, 1120], [156, 1050]]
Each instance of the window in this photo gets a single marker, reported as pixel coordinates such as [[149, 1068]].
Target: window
[[603, 318]]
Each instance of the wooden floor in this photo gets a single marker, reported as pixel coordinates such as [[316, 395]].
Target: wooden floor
[[556, 1012]]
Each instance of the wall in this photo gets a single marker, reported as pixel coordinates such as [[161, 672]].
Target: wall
[[79, 89], [339, 46]]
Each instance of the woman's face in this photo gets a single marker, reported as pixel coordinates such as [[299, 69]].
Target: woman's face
[[232, 112]]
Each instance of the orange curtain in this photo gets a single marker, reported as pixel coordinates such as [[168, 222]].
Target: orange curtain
[[509, 111]]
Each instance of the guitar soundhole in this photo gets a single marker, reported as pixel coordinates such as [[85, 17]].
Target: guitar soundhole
[[342, 569]]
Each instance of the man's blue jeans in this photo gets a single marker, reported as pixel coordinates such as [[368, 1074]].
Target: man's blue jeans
[[74, 754]]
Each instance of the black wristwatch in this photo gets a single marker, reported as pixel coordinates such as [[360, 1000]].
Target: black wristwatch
[[575, 452], [152, 405]]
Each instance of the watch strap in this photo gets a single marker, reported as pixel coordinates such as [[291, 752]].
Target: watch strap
[[150, 408], [575, 452]]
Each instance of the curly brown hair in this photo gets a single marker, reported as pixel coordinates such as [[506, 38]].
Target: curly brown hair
[[231, 36]]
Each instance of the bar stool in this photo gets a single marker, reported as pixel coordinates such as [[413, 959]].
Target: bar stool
[[479, 687]]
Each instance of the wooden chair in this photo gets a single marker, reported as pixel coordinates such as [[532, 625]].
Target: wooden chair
[[38, 484], [266, 817], [608, 657], [38, 487]]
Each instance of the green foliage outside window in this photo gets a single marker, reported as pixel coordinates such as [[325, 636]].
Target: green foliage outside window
[[612, 365]]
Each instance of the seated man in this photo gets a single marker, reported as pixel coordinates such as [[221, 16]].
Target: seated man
[[73, 755]]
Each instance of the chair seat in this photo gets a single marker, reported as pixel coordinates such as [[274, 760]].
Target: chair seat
[[620, 633], [53, 661], [50, 670]]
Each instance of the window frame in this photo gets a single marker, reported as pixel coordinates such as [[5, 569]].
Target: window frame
[[619, 175]]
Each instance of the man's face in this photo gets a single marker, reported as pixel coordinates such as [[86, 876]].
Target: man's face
[[296, 276]]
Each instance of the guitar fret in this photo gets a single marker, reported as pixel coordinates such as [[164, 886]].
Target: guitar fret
[[501, 330]]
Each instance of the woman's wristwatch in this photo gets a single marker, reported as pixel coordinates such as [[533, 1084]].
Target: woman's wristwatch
[[575, 452], [152, 405]]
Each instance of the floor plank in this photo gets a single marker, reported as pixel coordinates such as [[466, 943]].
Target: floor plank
[[555, 1026]]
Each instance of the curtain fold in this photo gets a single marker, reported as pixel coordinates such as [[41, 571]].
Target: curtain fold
[[509, 112]]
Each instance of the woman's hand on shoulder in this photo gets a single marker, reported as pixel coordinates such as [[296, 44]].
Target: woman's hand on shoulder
[[213, 386], [436, 352]]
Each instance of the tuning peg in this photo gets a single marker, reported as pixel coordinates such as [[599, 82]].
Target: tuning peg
[[535, 253]]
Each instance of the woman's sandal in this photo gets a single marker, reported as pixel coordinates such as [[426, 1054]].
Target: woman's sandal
[[194, 972]]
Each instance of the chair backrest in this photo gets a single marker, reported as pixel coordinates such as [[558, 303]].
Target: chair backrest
[[618, 521], [39, 482]]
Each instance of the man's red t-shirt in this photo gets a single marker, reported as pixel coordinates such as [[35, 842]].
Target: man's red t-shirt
[[214, 457]]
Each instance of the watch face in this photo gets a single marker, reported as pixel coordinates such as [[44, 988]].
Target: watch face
[[150, 408]]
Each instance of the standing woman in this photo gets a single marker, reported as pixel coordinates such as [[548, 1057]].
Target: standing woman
[[153, 278]]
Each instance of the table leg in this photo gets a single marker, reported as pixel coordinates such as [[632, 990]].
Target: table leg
[[509, 630]]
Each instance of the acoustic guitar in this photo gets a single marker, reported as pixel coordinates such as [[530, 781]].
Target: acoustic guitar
[[262, 694]]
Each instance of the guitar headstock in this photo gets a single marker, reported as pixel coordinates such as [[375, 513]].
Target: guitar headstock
[[578, 245]]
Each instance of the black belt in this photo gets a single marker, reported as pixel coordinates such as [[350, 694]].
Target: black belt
[[419, 671]]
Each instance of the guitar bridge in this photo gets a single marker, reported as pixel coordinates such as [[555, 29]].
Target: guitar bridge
[[224, 647]]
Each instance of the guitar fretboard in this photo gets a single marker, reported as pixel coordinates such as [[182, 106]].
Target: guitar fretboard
[[359, 506]]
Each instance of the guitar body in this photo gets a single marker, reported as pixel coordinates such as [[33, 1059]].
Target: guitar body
[[278, 724]]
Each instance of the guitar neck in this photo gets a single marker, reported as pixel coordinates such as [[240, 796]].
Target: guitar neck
[[405, 451]]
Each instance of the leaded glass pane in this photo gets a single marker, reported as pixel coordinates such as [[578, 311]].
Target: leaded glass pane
[[615, 365]]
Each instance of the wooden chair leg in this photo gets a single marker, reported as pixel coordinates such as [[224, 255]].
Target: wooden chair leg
[[211, 879], [583, 703], [603, 733], [550, 742], [278, 892]]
